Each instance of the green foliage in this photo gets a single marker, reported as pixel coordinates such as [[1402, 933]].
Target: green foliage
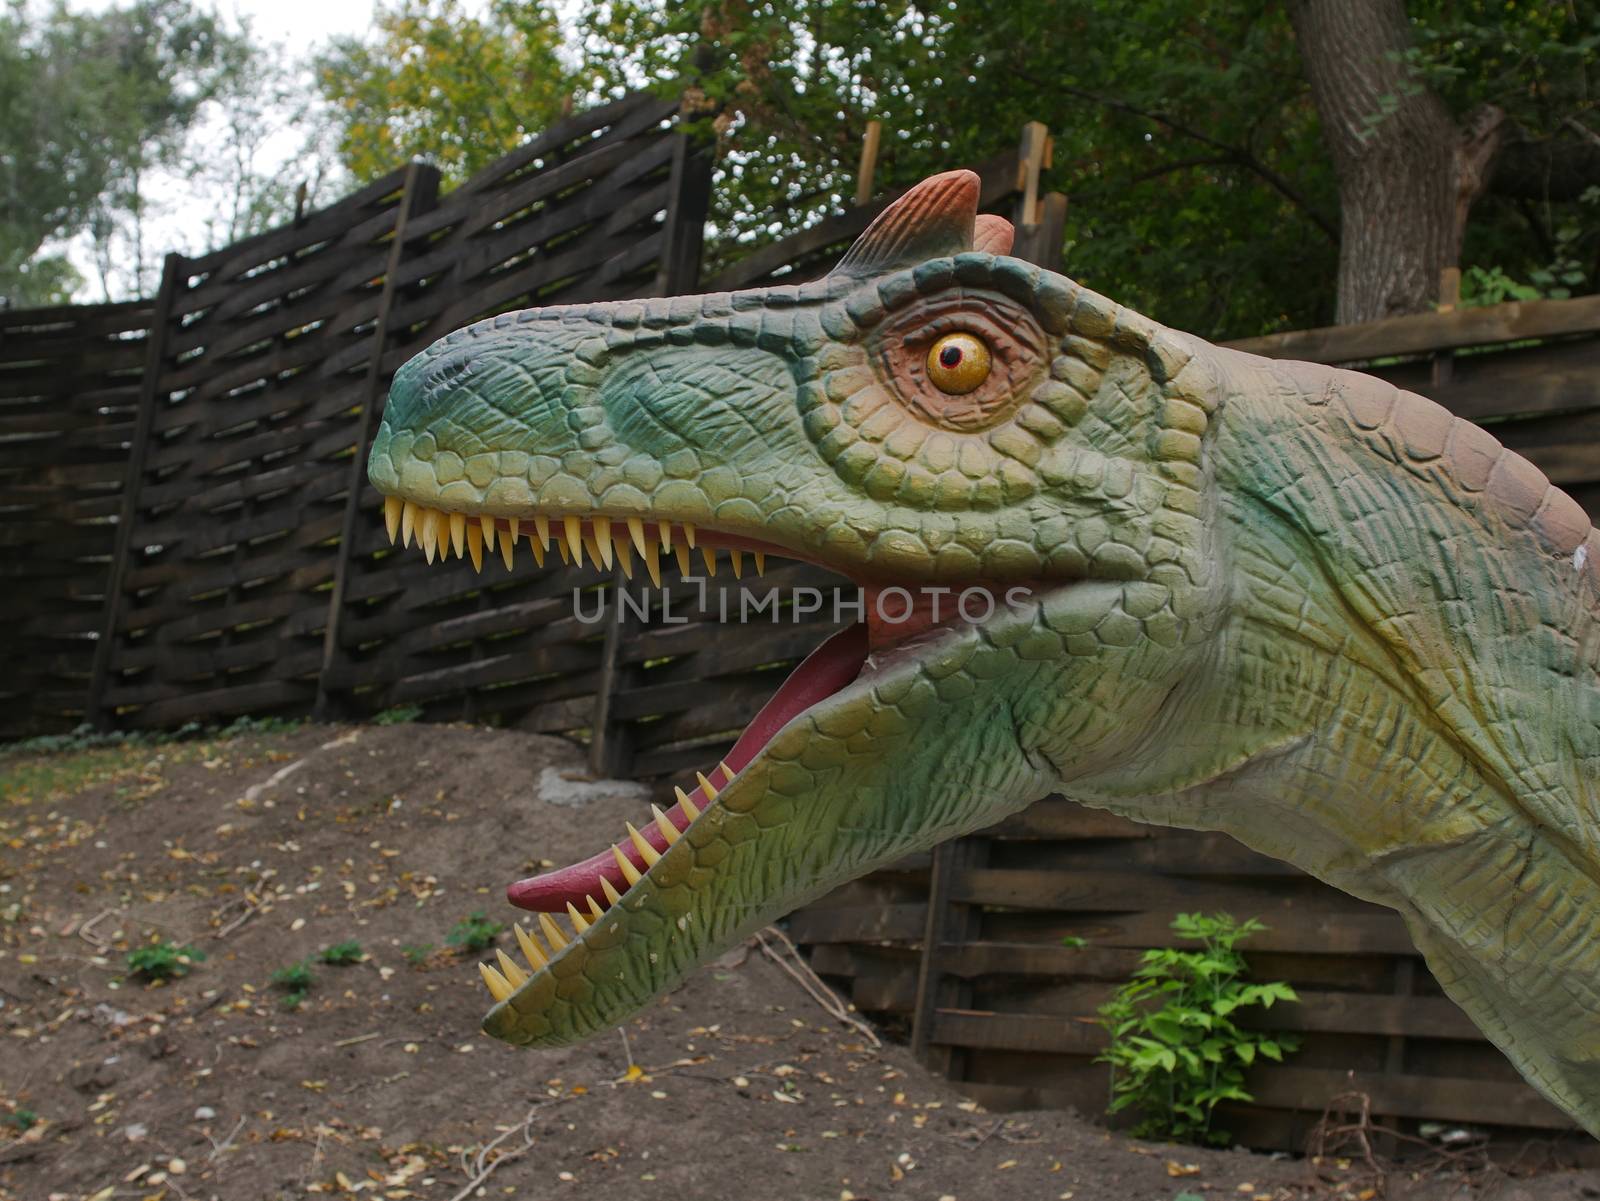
[[398, 716], [1073, 943], [93, 102], [474, 932], [435, 81], [417, 953], [296, 980], [22, 1118], [342, 954], [1175, 1048], [162, 960]]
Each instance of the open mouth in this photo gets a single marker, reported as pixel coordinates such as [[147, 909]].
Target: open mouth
[[586, 892]]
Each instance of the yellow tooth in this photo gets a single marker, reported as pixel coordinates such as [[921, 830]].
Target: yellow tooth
[[646, 852], [636, 533], [664, 528], [561, 545], [681, 553], [499, 987], [593, 548], [610, 889], [706, 786], [579, 922], [595, 912], [408, 522], [574, 530], [664, 823], [737, 559], [510, 970], [686, 804], [629, 872], [508, 549], [541, 531], [709, 558], [688, 534], [761, 563], [475, 545], [458, 532], [624, 555], [531, 951], [429, 533], [552, 932], [602, 538], [392, 506], [538, 551], [486, 530], [515, 525], [727, 772], [652, 563]]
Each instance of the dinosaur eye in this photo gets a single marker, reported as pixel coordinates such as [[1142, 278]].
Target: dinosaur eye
[[958, 363]]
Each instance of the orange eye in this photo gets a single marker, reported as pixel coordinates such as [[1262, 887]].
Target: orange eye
[[958, 363]]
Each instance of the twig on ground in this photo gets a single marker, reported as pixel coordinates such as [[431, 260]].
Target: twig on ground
[[482, 1167], [800, 971], [250, 910], [99, 944], [218, 1148], [360, 1038]]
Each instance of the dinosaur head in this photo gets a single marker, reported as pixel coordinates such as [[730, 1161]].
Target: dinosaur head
[[1008, 464]]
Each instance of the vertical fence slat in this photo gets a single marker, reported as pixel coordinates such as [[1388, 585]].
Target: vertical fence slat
[[419, 194], [172, 271]]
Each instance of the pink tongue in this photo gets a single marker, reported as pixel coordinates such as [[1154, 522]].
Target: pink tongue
[[824, 672]]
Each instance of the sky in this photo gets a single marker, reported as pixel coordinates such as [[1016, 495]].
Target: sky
[[300, 27]]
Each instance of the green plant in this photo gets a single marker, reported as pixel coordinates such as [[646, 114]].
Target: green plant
[[341, 954], [162, 960], [22, 1118], [1175, 1048], [474, 932], [397, 716], [296, 981], [417, 953]]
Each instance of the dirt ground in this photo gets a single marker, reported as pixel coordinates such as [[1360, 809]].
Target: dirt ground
[[261, 850]]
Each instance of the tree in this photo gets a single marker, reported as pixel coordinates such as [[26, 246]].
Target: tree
[[1411, 164], [1188, 135], [93, 102], [438, 83]]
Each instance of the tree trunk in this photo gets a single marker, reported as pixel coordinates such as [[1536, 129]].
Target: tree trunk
[[1407, 174]]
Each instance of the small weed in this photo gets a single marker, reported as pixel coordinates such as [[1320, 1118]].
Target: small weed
[[341, 954], [296, 981], [1073, 942], [398, 716], [1175, 1048], [22, 1118], [417, 953], [240, 726], [162, 960], [474, 932]]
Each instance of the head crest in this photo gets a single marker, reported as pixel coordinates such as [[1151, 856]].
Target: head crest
[[932, 220]]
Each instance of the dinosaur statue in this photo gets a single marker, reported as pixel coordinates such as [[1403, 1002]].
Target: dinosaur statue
[[1277, 599]]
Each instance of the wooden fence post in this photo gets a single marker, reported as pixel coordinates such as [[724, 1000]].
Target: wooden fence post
[[869, 162], [1040, 220], [419, 192], [610, 741], [172, 280], [948, 923]]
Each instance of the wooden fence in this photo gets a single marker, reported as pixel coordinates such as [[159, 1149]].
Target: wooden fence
[[185, 479], [69, 392], [965, 946]]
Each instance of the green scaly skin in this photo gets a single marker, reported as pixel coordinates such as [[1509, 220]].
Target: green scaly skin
[[1275, 599]]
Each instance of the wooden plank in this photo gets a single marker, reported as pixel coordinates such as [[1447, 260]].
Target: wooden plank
[[1423, 333], [419, 192], [161, 319]]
